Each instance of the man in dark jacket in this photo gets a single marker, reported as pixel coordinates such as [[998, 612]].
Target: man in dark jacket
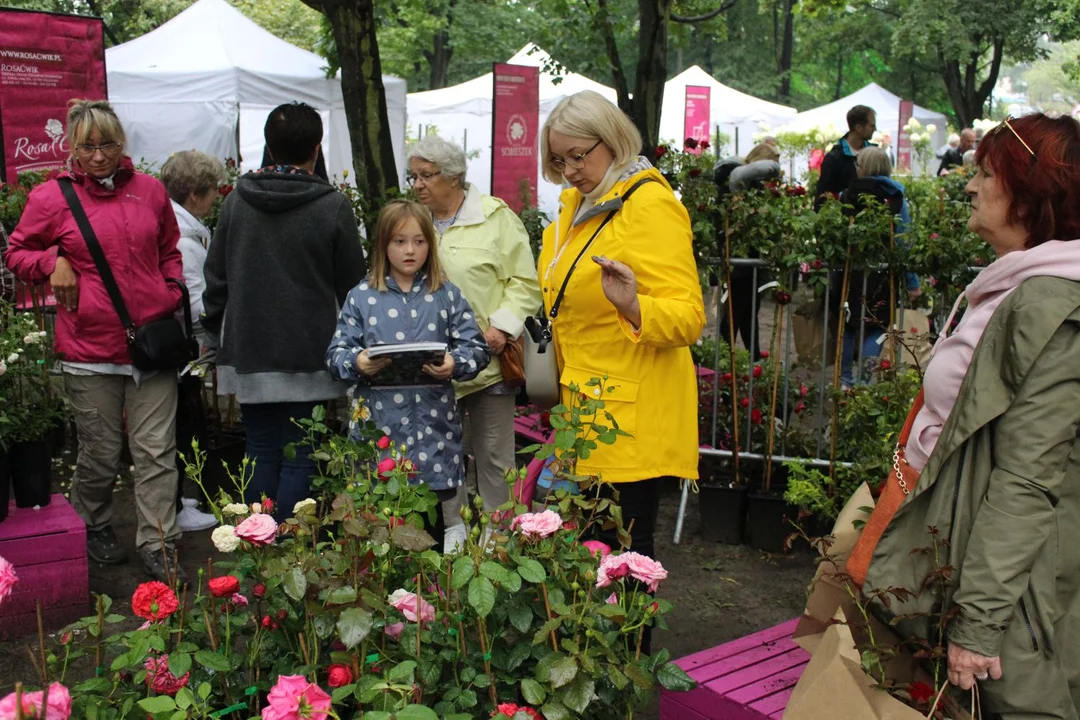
[[954, 157], [285, 253], [838, 167]]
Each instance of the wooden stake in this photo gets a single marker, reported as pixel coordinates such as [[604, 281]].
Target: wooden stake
[[838, 360], [778, 325], [731, 351]]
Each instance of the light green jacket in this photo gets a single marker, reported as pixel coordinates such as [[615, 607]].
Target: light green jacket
[[486, 253], [1002, 488]]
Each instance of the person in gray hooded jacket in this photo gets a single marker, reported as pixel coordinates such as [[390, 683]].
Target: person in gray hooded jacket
[[286, 252]]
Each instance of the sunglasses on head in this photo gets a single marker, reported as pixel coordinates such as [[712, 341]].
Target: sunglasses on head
[[1006, 123]]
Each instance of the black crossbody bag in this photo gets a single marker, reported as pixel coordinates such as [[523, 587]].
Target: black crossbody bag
[[163, 344]]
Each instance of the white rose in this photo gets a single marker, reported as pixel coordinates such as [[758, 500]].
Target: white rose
[[298, 507], [3, 367], [13, 357], [931, 128], [235, 509], [42, 334], [256, 507], [31, 339], [225, 540]]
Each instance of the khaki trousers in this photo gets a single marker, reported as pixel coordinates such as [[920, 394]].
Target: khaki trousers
[[489, 439], [99, 403]]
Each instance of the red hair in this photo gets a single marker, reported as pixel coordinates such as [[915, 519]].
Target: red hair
[[1043, 191]]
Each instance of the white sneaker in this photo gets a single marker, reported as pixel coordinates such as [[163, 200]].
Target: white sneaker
[[454, 538], [191, 520], [190, 502]]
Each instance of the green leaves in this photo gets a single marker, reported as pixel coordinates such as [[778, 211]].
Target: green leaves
[[213, 661], [533, 692], [411, 538], [179, 663], [353, 626], [672, 677], [562, 671], [464, 568], [481, 596], [495, 572], [294, 583], [158, 704], [531, 571], [579, 693], [521, 617]]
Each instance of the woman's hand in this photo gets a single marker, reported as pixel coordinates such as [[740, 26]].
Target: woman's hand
[[496, 339], [965, 667], [441, 372], [620, 288], [366, 366], [65, 284]]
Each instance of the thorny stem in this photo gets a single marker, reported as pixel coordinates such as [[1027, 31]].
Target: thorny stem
[[547, 609], [487, 663]]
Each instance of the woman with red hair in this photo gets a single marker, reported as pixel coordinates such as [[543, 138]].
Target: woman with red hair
[[990, 463]]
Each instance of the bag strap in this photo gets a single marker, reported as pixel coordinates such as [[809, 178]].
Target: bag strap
[[92, 244], [562, 291]]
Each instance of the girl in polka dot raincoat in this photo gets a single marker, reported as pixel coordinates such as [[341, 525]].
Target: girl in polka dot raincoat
[[406, 298]]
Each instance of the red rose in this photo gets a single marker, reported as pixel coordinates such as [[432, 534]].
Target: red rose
[[704, 144], [545, 420], [885, 399], [920, 692], [661, 151], [885, 364], [393, 522], [817, 264], [690, 143], [800, 407], [267, 506], [764, 354], [259, 590], [383, 442], [224, 190], [755, 416], [694, 172], [338, 676], [230, 163], [266, 621], [386, 467], [282, 614], [745, 402], [727, 377], [154, 601], [757, 369], [702, 207], [803, 390], [782, 297], [224, 586]]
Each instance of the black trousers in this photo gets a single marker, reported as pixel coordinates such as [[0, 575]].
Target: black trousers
[[191, 422], [640, 502], [742, 310]]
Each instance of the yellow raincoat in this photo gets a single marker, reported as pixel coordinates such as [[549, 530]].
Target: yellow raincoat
[[655, 396]]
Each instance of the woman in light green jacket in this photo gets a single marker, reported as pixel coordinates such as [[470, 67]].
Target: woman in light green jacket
[[485, 251]]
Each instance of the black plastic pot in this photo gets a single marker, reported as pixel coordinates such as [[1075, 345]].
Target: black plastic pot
[[31, 472], [5, 485], [767, 526], [723, 512]]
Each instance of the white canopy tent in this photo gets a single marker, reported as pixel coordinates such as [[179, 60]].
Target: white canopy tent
[[207, 79], [887, 107], [463, 114], [739, 115]]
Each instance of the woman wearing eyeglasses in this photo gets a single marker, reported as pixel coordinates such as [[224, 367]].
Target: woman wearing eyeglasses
[[133, 221], [632, 306], [485, 251], [992, 460]]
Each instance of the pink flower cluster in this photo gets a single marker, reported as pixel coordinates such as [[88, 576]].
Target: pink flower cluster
[[58, 704], [160, 679], [407, 602], [538, 525], [8, 579], [641, 568], [294, 698], [258, 529], [595, 547]]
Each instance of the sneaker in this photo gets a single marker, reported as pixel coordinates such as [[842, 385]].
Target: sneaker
[[154, 562], [191, 520], [190, 502], [103, 547]]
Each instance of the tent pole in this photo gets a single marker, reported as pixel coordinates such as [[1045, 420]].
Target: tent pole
[[465, 141], [238, 158]]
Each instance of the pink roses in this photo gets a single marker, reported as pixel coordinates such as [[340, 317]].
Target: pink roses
[[258, 529], [595, 547], [58, 704], [160, 679], [8, 579], [538, 525], [637, 566], [294, 698], [407, 602]]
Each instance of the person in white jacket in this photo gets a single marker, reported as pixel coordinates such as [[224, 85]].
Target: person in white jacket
[[192, 179]]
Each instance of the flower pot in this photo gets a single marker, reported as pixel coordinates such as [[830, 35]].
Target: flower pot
[[31, 472], [5, 484], [723, 512], [767, 525]]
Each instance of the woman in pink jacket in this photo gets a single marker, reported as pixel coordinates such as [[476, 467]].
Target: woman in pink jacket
[[134, 222]]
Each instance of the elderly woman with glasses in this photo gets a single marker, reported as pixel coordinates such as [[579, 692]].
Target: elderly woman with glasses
[[133, 221], [485, 251], [991, 458], [621, 248]]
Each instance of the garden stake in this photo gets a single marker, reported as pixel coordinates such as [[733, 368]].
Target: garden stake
[[547, 609], [731, 350], [640, 637], [460, 625], [892, 295], [836, 370], [419, 613], [41, 647], [18, 701], [487, 660], [34, 661], [183, 615], [98, 652], [303, 648], [778, 325]]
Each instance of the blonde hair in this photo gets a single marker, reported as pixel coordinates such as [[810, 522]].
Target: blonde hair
[[85, 116], [587, 115], [391, 218], [191, 171], [873, 161], [764, 151]]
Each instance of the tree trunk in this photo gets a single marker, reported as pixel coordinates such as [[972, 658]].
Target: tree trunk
[[439, 60], [787, 49], [839, 75], [353, 23], [651, 70], [967, 95]]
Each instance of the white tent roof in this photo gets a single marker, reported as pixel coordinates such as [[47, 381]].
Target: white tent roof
[[190, 82], [728, 108]]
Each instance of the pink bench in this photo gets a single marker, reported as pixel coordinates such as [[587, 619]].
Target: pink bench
[[530, 429], [48, 549], [746, 679]]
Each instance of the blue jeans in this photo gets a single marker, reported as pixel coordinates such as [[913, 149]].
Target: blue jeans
[[871, 349], [269, 428]]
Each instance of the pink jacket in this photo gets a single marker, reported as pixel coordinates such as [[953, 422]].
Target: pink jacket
[[137, 230]]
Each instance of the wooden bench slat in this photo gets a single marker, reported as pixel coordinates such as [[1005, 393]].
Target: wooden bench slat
[[749, 678], [706, 657]]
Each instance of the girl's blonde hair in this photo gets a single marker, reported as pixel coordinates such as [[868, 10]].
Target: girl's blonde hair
[[85, 116], [872, 161], [391, 218], [588, 115], [764, 151]]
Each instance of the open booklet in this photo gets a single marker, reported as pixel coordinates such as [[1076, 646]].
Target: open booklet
[[406, 362]]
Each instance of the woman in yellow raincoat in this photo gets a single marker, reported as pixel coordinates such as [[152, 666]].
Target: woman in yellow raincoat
[[633, 305]]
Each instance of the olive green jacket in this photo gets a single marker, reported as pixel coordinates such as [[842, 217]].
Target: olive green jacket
[[1002, 487]]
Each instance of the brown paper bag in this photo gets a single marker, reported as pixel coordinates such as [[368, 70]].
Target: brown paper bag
[[828, 590]]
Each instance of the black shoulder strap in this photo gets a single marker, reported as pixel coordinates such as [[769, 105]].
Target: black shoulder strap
[[96, 252], [562, 290]]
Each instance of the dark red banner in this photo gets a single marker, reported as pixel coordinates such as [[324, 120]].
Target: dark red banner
[[45, 61], [515, 117]]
